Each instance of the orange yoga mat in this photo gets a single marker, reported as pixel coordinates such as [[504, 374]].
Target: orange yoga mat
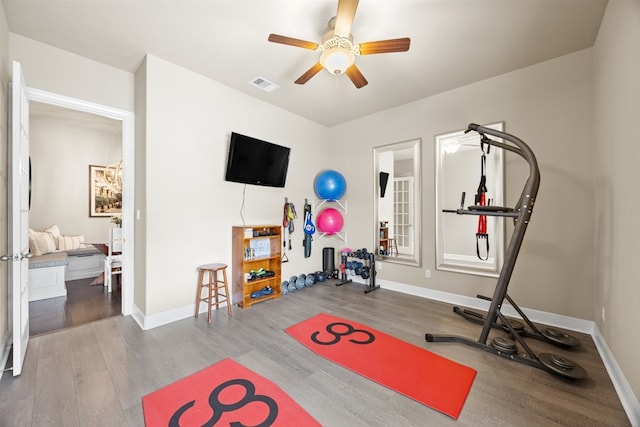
[[428, 378], [224, 394]]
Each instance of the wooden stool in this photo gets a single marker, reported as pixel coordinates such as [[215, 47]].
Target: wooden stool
[[393, 246], [214, 286]]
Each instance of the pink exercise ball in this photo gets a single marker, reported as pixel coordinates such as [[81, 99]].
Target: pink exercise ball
[[329, 221]]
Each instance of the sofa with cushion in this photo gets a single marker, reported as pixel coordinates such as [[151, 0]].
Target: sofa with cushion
[[58, 258]]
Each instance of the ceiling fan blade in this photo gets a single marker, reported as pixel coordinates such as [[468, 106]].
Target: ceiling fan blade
[[385, 46], [309, 73], [344, 17], [275, 38], [356, 76]]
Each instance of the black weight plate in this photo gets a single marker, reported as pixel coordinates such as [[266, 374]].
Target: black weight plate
[[562, 362], [562, 366], [517, 325], [559, 337], [504, 345]]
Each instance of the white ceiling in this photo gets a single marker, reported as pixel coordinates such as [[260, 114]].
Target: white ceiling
[[453, 42]]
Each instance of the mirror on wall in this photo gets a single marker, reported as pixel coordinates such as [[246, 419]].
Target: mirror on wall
[[397, 202], [463, 244]]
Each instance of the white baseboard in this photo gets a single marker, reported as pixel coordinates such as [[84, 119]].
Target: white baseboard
[[625, 393], [138, 316], [151, 321], [620, 383], [5, 350], [565, 322]]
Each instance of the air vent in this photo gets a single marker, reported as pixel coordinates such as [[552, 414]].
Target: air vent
[[264, 84]]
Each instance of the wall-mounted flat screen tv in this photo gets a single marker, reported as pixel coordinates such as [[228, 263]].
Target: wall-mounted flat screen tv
[[256, 162]]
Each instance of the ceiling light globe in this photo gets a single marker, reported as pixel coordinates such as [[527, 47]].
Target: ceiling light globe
[[337, 60]]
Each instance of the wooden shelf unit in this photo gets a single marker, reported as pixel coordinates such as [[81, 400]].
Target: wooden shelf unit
[[266, 248], [383, 247]]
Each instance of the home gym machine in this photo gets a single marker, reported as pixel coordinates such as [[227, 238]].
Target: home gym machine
[[521, 214]]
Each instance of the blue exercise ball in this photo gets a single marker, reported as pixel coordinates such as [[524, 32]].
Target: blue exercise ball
[[330, 185]]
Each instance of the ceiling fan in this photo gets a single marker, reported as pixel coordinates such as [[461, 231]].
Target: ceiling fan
[[338, 52]]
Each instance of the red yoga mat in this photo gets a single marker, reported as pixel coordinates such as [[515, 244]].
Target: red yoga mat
[[223, 394], [428, 378]]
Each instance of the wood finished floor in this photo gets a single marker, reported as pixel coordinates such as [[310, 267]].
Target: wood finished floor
[[84, 303], [96, 374]]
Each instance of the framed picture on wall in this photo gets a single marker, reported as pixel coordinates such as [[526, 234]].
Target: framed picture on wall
[[105, 191]]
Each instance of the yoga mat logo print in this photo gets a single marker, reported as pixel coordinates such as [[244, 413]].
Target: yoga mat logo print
[[219, 408], [224, 394], [337, 336]]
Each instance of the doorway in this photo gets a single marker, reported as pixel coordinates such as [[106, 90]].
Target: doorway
[[63, 143], [126, 120]]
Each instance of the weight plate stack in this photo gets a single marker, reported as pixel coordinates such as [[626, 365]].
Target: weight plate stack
[[517, 325], [504, 345], [562, 366], [558, 337]]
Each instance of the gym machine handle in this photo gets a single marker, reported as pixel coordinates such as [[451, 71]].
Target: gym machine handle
[[461, 205]]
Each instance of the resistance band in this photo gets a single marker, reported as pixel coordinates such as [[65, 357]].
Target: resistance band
[[287, 224], [481, 200]]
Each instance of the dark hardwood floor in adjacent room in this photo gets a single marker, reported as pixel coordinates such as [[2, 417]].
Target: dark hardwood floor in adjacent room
[[96, 374], [84, 303]]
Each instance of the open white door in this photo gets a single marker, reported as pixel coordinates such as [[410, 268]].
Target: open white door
[[19, 217]]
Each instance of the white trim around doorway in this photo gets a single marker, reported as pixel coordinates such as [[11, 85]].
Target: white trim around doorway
[[128, 160]]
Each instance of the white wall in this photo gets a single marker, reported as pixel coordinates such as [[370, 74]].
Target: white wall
[[140, 226], [616, 203], [54, 70], [61, 152], [548, 106], [190, 209]]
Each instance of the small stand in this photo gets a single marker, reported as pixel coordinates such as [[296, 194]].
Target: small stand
[[366, 271]]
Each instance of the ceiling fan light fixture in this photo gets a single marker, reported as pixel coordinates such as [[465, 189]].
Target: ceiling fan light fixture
[[337, 50], [337, 60]]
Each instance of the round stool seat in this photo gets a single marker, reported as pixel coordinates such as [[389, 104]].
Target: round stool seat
[[217, 288], [213, 266]]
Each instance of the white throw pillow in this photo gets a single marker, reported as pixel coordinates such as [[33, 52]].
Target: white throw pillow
[[66, 243], [54, 230], [41, 243]]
